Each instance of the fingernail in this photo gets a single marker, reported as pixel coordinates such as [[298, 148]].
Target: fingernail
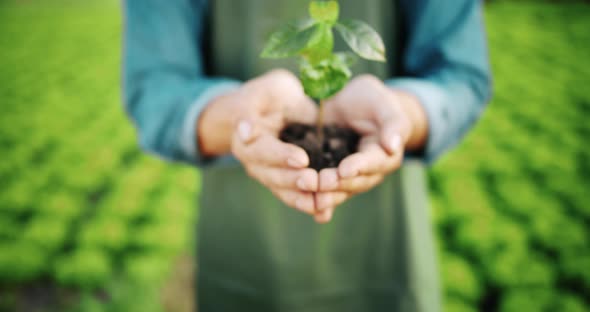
[[295, 163], [301, 184], [244, 130], [395, 144]]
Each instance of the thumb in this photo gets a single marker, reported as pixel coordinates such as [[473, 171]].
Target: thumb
[[303, 110], [394, 132], [330, 111], [394, 128], [247, 130], [245, 120], [391, 139]]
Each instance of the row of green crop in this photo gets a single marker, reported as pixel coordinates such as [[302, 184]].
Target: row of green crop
[[511, 202], [44, 202], [80, 206], [61, 232]]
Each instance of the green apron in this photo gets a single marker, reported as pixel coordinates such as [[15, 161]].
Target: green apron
[[256, 254]]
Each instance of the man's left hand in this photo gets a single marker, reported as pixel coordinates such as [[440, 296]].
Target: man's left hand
[[385, 119]]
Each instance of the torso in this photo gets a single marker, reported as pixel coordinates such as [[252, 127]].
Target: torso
[[256, 254]]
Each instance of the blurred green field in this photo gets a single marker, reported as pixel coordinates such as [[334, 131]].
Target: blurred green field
[[89, 219], [80, 205], [512, 202]]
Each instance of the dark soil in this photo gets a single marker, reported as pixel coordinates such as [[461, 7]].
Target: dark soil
[[338, 143]]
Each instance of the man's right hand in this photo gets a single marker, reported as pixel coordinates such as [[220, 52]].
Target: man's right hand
[[247, 122]]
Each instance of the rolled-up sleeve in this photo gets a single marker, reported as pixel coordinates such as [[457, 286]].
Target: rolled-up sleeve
[[445, 65], [164, 85]]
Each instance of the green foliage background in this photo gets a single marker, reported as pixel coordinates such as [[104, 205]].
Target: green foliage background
[[82, 208]]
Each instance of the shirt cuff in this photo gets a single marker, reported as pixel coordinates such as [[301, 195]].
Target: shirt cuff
[[434, 100], [188, 141]]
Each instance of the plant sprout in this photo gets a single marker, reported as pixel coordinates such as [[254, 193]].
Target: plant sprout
[[322, 72]]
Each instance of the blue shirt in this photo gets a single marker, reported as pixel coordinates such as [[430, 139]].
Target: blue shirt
[[444, 64]]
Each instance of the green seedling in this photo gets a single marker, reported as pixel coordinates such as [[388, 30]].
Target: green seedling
[[322, 72]]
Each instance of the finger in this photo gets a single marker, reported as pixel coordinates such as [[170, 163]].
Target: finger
[[268, 150], [388, 130], [246, 131], [285, 178], [393, 133], [301, 201], [324, 217], [303, 110], [287, 95], [331, 111], [326, 203], [338, 111], [371, 159], [391, 140], [393, 128], [282, 80], [247, 114], [251, 127], [329, 200], [330, 181], [360, 184]]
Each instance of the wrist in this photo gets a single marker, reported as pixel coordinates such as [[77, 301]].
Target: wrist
[[215, 125]]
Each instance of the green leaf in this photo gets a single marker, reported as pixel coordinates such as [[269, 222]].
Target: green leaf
[[324, 11], [321, 45], [323, 80], [289, 39], [341, 63], [347, 58], [362, 39]]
